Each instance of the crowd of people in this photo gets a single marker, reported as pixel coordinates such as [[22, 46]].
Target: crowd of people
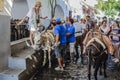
[[72, 33]]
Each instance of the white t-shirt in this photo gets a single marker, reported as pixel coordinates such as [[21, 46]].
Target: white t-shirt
[[83, 27], [78, 29], [104, 30]]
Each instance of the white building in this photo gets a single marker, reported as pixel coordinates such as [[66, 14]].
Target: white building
[[19, 8], [76, 6], [91, 2]]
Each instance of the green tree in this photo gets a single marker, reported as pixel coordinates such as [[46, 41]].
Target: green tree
[[110, 7], [117, 7]]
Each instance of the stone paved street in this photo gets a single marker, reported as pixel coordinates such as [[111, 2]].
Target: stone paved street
[[72, 72]]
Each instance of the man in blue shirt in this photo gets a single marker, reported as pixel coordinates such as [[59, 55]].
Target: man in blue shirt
[[71, 38], [60, 41], [66, 23]]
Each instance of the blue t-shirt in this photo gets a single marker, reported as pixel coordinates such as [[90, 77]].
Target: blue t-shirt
[[71, 37], [61, 31], [56, 30], [67, 26]]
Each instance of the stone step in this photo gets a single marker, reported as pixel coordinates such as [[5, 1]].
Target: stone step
[[18, 46], [11, 74], [22, 63], [19, 60], [23, 66]]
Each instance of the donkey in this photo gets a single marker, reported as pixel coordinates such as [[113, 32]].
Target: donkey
[[44, 40], [96, 50]]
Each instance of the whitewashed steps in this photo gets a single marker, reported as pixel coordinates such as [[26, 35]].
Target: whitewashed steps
[[22, 63], [10, 74], [19, 62]]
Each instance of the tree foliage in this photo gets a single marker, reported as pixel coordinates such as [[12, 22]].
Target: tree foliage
[[110, 7]]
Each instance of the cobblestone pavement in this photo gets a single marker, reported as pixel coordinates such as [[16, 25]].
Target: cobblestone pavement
[[72, 72]]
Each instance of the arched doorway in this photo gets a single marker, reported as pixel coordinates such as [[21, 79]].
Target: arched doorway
[[19, 9], [59, 13]]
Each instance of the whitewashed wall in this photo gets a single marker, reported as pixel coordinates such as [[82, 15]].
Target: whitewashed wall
[[4, 41], [61, 11], [31, 3], [46, 8], [64, 8], [19, 9], [5, 34]]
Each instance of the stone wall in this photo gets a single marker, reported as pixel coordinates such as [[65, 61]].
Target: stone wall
[[4, 41]]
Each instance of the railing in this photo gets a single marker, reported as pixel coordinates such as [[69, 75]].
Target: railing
[[19, 32]]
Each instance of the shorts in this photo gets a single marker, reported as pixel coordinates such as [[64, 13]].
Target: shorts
[[72, 47], [32, 28], [60, 51]]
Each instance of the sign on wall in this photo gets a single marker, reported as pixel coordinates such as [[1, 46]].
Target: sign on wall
[[1, 5]]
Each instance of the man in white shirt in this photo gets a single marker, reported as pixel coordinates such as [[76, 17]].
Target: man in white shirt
[[78, 29], [78, 35]]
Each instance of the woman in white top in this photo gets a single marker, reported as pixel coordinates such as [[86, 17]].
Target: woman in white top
[[104, 28], [33, 16]]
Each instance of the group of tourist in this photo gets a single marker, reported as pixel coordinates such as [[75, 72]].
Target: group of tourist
[[73, 32], [64, 33]]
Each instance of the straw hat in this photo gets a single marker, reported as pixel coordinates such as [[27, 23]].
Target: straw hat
[[38, 3]]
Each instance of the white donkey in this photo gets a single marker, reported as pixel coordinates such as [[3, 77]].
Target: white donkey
[[45, 41]]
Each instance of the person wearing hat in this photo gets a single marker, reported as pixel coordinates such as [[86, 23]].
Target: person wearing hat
[[33, 17], [60, 43]]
